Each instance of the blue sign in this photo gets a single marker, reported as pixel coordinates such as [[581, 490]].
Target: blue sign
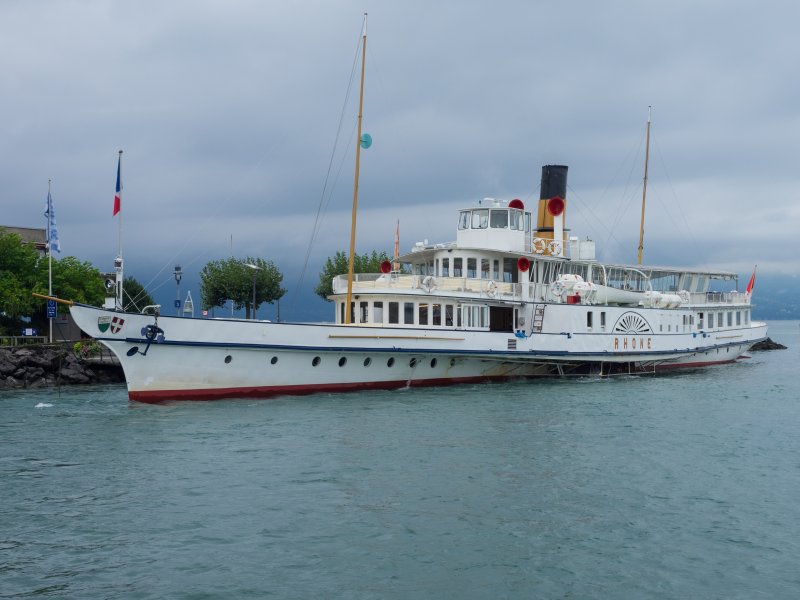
[[51, 309], [177, 303]]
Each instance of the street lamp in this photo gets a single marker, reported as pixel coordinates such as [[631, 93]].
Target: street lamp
[[256, 269], [178, 274]]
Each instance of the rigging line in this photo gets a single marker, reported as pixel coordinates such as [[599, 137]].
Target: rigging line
[[677, 200], [586, 206], [322, 205], [623, 204]]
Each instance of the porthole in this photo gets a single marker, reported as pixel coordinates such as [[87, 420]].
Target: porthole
[[343, 361], [412, 363], [390, 362], [228, 359], [274, 360], [367, 361], [433, 363], [316, 361], [452, 362]]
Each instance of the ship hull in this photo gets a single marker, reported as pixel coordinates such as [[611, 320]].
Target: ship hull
[[174, 358]]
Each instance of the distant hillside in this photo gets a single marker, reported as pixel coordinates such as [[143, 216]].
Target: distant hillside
[[776, 297]]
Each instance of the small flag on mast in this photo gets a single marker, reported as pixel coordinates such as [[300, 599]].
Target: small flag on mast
[[752, 283], [52, 230], [117, 196]]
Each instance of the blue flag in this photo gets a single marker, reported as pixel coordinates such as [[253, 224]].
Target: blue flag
[[52, 230]]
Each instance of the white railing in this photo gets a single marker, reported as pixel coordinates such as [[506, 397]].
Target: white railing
[[377, 283]]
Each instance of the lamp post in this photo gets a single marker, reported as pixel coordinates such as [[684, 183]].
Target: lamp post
[[178, 274], [256, 269]]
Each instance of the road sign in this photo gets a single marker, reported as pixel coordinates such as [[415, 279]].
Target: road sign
[[51, 309], [177, 303]]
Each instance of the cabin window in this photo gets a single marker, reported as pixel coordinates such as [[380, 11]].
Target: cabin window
[[746, 317], [510, 270], [362, 312], [738, 317], [589, 319], [436, 310], [394, 313], [603, 320], [516, 219], [527, 222], [495, 269], [730, 319], [699, 320], [353, 312], [377, 312], [436, 271], [484, 268], [719, 319], [341, 312], [408, 313], [463, 219], [423, 314], [457, 267], [472, 268], [480, 219], [448, 315], [499, 219], [445, 267]]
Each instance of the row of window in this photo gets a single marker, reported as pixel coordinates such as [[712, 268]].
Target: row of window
[[495, 218], [417, 313], [471, 267]]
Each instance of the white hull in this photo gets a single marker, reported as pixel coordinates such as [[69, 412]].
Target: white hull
[[216, 358]]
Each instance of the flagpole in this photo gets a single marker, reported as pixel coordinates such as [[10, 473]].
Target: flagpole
[[49, 253], [118, 261]]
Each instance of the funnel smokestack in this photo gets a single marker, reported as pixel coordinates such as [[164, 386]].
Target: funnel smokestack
[[552, 201]]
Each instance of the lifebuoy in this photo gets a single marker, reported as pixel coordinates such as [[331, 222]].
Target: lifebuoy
[[429, 283], [491, 289], [539, 245], [555, 248]]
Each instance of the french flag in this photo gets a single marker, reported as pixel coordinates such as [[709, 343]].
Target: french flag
[[118, 195]]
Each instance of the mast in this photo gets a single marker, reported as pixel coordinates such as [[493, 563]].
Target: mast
[[644, 186], [350, 263], [49, 253], [118, 211]]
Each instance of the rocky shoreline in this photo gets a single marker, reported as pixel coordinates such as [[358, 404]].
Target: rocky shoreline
[[54, 365]]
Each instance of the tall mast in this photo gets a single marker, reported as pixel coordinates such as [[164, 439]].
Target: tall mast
[[644, 186], [350, 264], [118, 264], [49, 254]]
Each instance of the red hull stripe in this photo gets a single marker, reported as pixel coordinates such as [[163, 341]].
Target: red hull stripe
[[299, 390]]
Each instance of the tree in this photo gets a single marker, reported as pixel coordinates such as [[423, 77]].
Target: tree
[[24, 270], [135, 297], [19, 265], [231, 279], [338, 265]]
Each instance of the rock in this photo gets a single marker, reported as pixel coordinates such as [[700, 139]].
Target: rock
[[73, 375], [43, 366], [767, 344]]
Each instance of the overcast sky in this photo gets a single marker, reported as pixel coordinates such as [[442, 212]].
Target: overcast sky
[[227, 113]]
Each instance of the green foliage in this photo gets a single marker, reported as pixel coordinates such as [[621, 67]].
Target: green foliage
[[24, 270], [338, 265], [231, 279], [135, 297], [18, 275], [86, 348]]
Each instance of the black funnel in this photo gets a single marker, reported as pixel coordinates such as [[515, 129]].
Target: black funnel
[[554, 182]]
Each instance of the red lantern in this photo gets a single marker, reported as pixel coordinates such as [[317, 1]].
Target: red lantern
[[523, 264], [555, 206], [516, 203], [386, 267]]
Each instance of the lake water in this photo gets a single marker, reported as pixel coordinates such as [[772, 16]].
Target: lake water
[[678, 486]]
